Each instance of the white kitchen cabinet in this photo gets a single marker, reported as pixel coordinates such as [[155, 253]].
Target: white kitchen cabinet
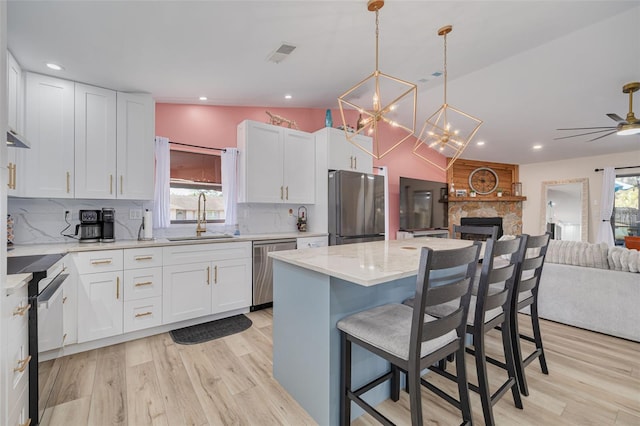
[[142, 288], [276, 164], [135, 146], [230, 290], [100, 294], [95, 142], [186, 291], [48, 167], [15, 94], [344, 155], [203, 279], [100, 305]]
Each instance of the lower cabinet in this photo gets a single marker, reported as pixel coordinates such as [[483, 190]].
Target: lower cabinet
[[218, 280], [100, 305]]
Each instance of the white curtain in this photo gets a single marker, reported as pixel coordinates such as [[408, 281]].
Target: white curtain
[[229, 163], [605, 233], [161, 204]]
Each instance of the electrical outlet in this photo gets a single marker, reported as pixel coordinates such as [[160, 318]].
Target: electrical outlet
[[135, 214]]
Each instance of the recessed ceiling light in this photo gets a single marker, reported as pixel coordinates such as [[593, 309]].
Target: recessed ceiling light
[[287, 96], [55, 67], [480, 143], [537, 147], [203, 98]]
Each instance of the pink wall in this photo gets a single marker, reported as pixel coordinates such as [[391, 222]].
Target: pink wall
[[215, 127]]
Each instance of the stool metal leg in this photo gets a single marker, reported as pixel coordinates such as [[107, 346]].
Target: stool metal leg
[[345, 380]]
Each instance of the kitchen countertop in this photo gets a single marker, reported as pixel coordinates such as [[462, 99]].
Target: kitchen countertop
[[370, 263], [16, 281], [74, 246]]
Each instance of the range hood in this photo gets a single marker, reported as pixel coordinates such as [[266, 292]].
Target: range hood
[[16, 140]]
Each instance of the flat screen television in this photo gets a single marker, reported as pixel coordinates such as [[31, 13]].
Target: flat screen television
[[423, 204]]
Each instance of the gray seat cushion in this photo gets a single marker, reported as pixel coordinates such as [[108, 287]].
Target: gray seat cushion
[[446, 308], [388, 327]]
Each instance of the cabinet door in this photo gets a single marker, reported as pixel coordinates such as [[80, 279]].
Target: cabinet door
[[95, 142], [186, 291], [14, 94], [231, 285], [14, 184], [49, 116], [340, 151], [135, 140], [100, 305], [362, 161], [299, 167], [70, 309], [261, 160]]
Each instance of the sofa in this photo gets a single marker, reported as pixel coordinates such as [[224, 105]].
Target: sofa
[[592, 286]]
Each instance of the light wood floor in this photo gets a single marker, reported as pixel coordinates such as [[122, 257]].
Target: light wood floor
[[594, 380]]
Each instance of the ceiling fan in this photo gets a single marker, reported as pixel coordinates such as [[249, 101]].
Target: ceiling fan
[[630, 126]]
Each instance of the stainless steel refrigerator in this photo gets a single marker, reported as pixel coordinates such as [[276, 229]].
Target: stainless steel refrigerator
[[356, 207]]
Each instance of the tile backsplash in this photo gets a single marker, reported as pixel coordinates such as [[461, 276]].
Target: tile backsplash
[[39, 221]]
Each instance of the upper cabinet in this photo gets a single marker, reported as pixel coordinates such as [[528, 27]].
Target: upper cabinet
[[342, 154], [87, 142], [135, 146], [14, 94], [47, 169], [95, 142], [276, 164]]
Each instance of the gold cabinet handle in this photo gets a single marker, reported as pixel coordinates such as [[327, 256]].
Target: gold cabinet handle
[[215, 274], [121, 184], [287, 197], [143, 258], [355, 162], [10, 170], [22, 365], [144, 314], [27, 423], [110, 184], [281, 193], [22, 310], [101, 262], [117, 287], [208, 274], [143, 283], [351, 162], [68, 182], [14, 176]]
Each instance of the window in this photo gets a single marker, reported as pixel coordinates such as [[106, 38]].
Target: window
[[626, 207], [191, 174]]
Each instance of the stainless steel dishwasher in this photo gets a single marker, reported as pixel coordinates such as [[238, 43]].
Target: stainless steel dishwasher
[[263, 270]]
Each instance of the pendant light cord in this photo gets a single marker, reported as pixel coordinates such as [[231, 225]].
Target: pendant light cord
[[445, 69], [377, 33]]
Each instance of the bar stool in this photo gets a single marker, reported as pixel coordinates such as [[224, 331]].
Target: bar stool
[[526, 290], [489, 308], [410, 340]]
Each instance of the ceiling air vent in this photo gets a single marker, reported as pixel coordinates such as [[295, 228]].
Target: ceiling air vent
[[281, 53]]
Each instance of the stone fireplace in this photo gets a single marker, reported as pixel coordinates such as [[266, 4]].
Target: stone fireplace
[[509, 211]]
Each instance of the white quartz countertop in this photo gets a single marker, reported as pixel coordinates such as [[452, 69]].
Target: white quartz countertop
[[16, 281], [367, 264], [74, 246]]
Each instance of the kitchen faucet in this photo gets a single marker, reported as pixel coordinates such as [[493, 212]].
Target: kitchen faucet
[[201, 220]]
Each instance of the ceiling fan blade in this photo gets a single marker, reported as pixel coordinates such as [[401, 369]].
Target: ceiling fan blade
[[616, 117], [600, 137], [608, 129], [587, 128]]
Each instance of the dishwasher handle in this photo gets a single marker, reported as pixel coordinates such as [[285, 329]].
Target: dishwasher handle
[[273, 242]]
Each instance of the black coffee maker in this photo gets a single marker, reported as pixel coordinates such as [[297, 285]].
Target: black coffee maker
[[96, 226], [108, 225]]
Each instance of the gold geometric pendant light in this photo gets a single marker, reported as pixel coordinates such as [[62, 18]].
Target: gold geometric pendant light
[[448, 131], [382, 101]]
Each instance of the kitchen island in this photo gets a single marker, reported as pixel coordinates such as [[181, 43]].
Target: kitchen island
[[313, 290]]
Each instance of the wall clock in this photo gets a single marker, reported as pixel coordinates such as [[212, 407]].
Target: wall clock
[[483, 180]]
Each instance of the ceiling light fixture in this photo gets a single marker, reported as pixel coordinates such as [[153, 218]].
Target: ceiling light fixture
[[55, 67], [383, 102], [480, 143], [537, 147], [448, 131], [203, 98], [287, 96]]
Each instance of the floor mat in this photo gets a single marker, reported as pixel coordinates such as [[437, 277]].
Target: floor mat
[[210, 330]]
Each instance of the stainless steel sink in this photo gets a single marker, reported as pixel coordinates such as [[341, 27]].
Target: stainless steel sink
[[202, 237]]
